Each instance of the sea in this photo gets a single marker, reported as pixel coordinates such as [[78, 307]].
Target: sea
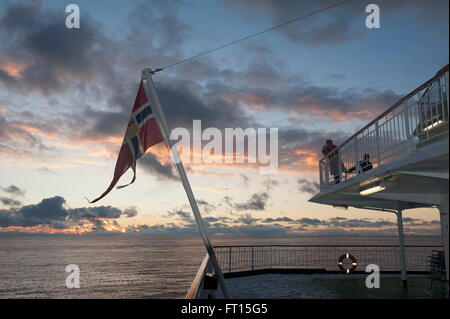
[[127, 266]]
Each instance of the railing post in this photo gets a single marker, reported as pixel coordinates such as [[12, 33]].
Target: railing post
[[321, 175], [377, 138], [402, 246], [253, 265], [447, 93], [408, 130], [357, 166], [229, 259], [339, 164]]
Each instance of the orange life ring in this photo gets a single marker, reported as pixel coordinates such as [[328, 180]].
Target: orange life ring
[[341, 265]]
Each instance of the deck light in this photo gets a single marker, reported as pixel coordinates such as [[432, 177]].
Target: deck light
[[432, 125], [371, 190]]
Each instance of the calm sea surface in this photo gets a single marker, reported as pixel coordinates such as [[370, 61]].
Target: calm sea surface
[[128, 266]]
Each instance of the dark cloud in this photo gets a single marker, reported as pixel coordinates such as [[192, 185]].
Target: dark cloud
[[182, 106], [182, 215], [52, 56], [220, 219], [307, 186], [256, 202], [247, 219], [94, 212], [207, 207], [150, 164], [354, 223], [100, 124], [9, 201], [13, 190], [278, 220], [130, 212], [309, 221], [328, 102], [52, 211]]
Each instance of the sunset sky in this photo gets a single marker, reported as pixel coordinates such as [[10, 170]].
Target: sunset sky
[[66, 96]]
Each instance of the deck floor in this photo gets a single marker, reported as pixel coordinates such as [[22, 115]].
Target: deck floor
[[326, 286]]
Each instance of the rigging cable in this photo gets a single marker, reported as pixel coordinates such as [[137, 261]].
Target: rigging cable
[[253, 35]]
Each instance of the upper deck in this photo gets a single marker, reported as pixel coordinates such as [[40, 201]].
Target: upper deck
[[397, 161]]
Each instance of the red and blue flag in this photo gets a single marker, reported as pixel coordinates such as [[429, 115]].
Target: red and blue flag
[[142, 132]]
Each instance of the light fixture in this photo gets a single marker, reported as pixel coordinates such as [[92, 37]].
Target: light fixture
[[372, 189], [432, 125], [340, 207]]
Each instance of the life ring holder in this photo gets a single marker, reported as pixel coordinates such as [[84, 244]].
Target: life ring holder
[[341, 265]]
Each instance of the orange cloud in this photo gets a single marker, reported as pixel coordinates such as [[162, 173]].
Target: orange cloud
[[13, 68]]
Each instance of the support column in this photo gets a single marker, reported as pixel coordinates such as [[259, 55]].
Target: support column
[[401, 241], [443, 210]]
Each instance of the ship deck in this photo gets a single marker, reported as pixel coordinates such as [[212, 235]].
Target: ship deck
[[327, 286]]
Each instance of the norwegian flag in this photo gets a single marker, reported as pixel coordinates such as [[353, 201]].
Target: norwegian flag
[[142, 132]]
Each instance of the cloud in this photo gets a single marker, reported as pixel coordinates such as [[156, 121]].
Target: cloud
[[247, 219], [336, 26], [182, 106], [51, 216], [300, 149], [182, 215], [309, 221], [354, 223], [151, 165], [329, 103], [53, 56], [207, 207], [13, 190], [256, 202], [9, 201], [52, 211], [130, 212], [277, 220], [307, 186], [94, 212]]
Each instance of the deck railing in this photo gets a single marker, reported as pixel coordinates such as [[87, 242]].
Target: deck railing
[[323, 257], [417, 119]]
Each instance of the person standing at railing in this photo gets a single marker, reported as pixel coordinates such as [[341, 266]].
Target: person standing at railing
[[330, 150]]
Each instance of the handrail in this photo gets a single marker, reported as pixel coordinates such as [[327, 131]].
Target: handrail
[[393, 107], [244, 258], [198, 280], [311, 245], [419, 118]]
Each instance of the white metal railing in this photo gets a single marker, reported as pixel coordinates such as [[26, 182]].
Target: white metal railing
[[234, 259], [419, 118]]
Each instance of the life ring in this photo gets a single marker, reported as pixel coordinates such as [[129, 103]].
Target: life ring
[[341, 265]]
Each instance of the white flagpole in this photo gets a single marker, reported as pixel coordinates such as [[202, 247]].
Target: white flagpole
[[164, 128]]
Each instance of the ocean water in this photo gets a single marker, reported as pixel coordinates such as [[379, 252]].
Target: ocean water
[[126, 266]]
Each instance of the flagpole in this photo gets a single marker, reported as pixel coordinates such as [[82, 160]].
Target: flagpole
[[164, 128]]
